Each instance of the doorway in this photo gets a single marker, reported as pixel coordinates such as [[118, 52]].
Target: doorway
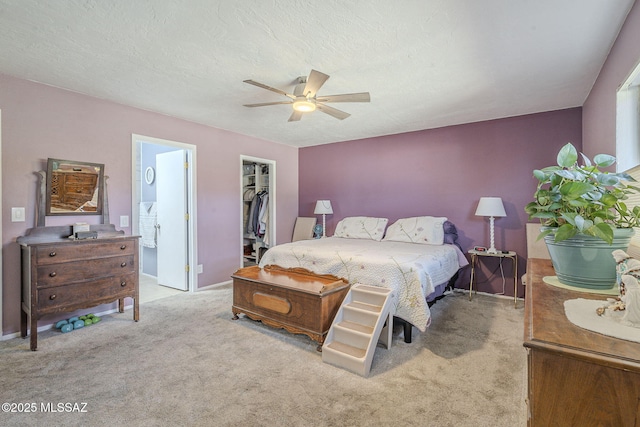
[[258, 213], [164, 215]]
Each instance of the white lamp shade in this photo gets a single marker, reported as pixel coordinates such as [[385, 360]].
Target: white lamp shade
[[490, 206], [323, 207]]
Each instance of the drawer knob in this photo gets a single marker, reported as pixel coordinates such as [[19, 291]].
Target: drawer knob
[[53, 274], [52, 296], [123, 247], [123, 284], [124, 264], [53, 254]]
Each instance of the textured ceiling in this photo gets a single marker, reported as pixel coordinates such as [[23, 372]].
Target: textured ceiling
[[426, 63]]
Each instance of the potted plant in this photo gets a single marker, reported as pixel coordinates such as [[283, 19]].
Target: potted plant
[[581, 208]]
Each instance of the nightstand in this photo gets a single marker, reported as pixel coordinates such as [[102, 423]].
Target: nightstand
[[477, 255]]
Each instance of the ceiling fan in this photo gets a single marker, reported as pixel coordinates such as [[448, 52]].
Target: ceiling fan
[[305, 98]]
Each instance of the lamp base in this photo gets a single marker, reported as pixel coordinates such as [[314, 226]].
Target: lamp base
[[492, 251]]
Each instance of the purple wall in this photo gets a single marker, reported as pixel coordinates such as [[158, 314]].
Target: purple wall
[[599, 110], [442, 172], [40, 121]]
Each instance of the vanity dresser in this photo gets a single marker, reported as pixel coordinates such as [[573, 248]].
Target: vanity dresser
[[62, 274], [575, 377]]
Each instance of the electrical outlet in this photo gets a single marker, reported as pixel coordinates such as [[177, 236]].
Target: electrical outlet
[[199, 268], [17, 214], [124, 220]]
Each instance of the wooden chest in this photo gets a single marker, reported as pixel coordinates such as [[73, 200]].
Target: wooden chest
[[63, 275], [297, 300]]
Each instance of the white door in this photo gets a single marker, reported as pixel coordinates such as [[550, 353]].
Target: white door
[[171, 197]]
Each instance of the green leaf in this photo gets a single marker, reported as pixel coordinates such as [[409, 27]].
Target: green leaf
[[570, 217], [604, 160], [544, 233], [539, 175], [625, 176], [543, 215], [594, 195], [568, 156], [604, 231], [566, 174], [573, 190], [578, 203], [564, 232], [609, 200], [606, 179], [586, 224], [622, 207]]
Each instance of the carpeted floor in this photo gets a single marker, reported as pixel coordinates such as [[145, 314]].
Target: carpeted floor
[[187, 363]]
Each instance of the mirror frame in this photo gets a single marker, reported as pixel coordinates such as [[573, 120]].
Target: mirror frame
[[52, 165]]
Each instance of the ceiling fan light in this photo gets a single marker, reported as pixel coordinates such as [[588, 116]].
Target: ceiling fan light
[[304, 105]]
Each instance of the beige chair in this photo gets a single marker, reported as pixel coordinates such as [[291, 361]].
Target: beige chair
[[535, 248], [303, 229]]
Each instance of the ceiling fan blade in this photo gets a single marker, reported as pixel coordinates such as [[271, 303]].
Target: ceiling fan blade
[[314, 82], [272, 89], [295, 116], [262, 104], [332, 111], [347, 97]]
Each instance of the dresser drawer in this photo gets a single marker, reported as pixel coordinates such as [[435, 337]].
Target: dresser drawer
[[84, 249], [76, 271], [108, 289]]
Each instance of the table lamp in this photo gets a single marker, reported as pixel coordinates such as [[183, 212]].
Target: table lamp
[[491, 207], [323, 207]]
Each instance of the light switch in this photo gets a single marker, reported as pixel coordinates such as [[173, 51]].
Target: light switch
[[17, 214], [124, 220]]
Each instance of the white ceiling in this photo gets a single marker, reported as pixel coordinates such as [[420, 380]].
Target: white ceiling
[[426, 63]]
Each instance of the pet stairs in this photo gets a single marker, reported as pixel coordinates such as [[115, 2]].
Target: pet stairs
[[364, 318]]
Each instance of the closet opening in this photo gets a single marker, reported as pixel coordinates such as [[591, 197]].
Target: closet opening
[[257, 208]]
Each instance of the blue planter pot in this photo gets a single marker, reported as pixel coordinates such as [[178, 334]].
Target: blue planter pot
[[586, 262]]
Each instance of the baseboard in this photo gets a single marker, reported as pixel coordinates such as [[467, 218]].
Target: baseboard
[[214, 286], [466, 291]]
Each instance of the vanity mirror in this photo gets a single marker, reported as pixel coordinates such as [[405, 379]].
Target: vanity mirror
[[74, 188]]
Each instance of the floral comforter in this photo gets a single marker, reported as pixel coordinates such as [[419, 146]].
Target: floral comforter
[[411, 270]]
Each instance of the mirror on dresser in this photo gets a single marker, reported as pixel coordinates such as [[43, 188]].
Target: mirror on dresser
[[70, 187], [74, 188]]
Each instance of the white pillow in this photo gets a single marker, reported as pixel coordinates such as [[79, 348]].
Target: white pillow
[[361, 227], [426, 230]]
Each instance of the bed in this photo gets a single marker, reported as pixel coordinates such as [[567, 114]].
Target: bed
[[416, 257]]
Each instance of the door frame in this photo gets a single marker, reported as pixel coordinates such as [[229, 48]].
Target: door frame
[[272, 200], [136, 179]]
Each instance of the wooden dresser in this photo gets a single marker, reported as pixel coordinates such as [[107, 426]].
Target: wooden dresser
[[575, 377], [294, 299], [61, 275]]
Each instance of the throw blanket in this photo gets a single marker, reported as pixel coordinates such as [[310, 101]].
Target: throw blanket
[[411, 270]]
